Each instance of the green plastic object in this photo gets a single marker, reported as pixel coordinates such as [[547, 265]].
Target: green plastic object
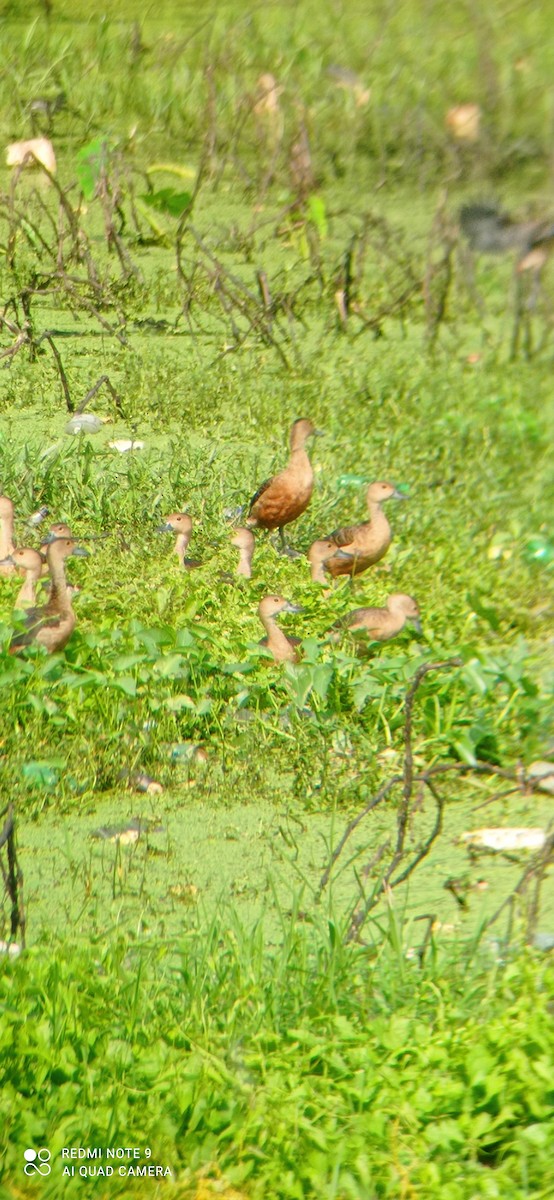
[[539, 550], [40, 774], [352, 481]]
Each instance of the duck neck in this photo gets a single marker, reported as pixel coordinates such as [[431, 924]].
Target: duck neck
[[181, 542], [6, 536], [299, 455], [377, 516], [27, 595], [277, 641], [59, 599], [244, 566], [318, 572], [396, 621]]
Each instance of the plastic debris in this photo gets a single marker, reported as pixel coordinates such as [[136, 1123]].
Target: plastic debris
[[86, 423], [539, 550], [31, 152], [463, 122], [143, 783], [125, 444], [37, 517], [504, 839], [542, 774], [127, 834], [12, 949], [543, 941]]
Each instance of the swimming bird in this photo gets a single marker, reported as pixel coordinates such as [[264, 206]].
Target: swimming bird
[[357, 547], [244, 540], [284, 497], [181, 524], [52, 624], [382, 624], [31, 563], [283, 648], [6, 535]]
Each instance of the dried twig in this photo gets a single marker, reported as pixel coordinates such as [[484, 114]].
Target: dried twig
[[13, 877]]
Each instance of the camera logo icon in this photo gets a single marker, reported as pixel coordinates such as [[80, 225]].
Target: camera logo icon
[[37, 1161]]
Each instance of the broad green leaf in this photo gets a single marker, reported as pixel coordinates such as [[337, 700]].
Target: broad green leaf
[[167, 200], [91, 159]]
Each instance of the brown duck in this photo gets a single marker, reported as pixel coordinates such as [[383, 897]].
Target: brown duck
[[358, 547], [318, 554], [6, 536], [243, 539], [30, 562], [382, 624], [284, 497], [181, 524], [283, 648], [52, 624]]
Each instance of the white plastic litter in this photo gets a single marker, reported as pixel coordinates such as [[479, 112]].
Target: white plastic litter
[[12, 949], [26, 154], [124, 444], [505, 839], [86, 423], [542, 773]]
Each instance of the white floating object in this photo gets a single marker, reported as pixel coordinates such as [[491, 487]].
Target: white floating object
[[463, 122], [542, 773], [505, 839], [27, 154], [125, 444], [12, 949], [86, 423]]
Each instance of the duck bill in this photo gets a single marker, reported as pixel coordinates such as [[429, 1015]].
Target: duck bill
[[80, 552], [165, 528], [397, 495], [292, 608], [7, 562], [417, 624]]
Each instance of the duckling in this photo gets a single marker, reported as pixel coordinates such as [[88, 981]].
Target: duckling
[[181, 524], [30, 561], [382, 624], [6, 535], [284, 497], [282, 647], [358, 547], [52, 624], [244, 540]]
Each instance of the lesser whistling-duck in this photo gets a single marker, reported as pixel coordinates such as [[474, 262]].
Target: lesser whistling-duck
[[58, 530], [318, 554], [52, 624], [181, 524], [6, 535], [244, 540], [30, 562], [381, 624], [283, 648], [285, 496], [358, 547]]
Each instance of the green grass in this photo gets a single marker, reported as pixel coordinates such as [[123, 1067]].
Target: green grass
[[313, 1070], [188, 993]]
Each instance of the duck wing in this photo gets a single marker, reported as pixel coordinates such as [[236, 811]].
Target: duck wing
[[35, 619], [345, 536], [262, 488]]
